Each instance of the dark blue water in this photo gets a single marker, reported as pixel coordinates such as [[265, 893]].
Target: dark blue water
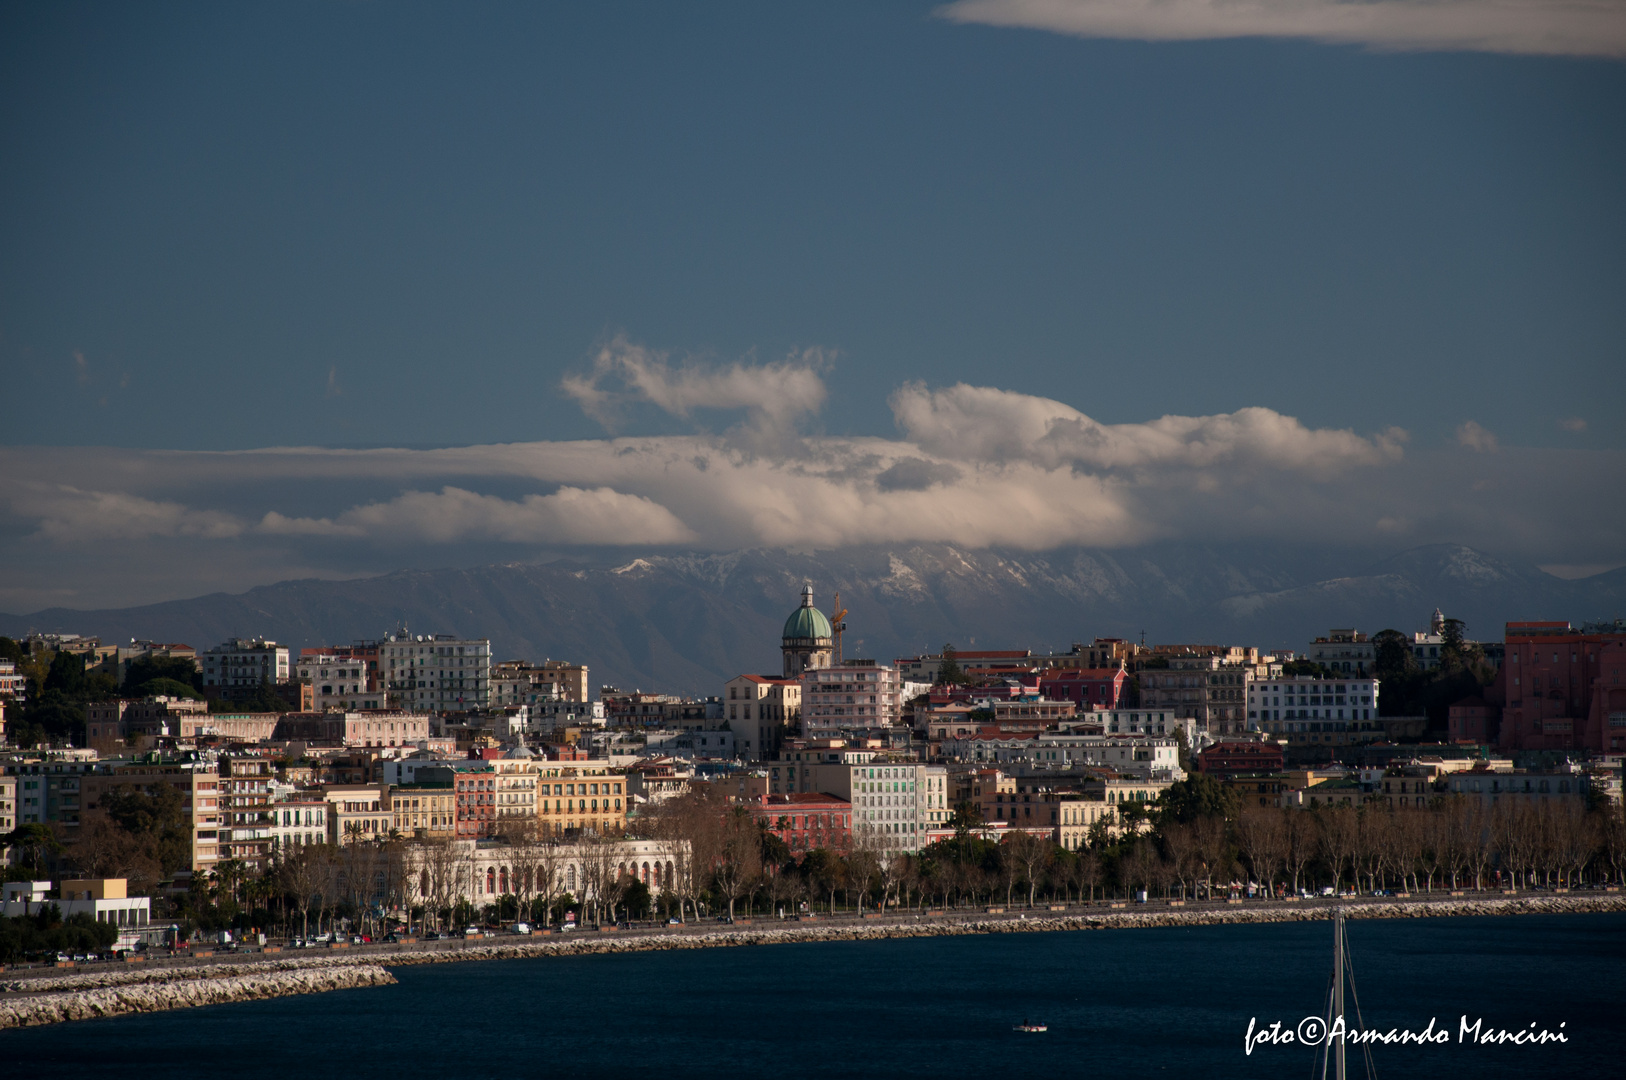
[[1125, 1003]]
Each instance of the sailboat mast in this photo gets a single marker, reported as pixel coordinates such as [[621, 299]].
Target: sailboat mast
[[1338, 988]]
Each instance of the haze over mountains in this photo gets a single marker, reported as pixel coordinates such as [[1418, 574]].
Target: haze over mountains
[[685, 623]]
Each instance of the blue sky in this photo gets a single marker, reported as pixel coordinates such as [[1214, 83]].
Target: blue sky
[[226, 228]]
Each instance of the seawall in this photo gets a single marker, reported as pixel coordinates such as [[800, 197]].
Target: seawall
[[52, 998]]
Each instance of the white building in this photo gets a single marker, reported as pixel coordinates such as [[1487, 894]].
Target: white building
[[894, 802], [1152, 756], [436, 671], [241, 664], [856, 694], [106, 900], [1287, 706], [341, 682], [547, 717], [690, 744], [298, 821]]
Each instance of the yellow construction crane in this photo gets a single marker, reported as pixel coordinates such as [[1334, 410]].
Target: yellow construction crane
[[838, 626]]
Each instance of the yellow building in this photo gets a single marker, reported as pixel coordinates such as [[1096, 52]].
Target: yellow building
[[580, 795], [424, 811]]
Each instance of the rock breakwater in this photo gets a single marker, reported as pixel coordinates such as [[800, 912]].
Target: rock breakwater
[[156, 995]]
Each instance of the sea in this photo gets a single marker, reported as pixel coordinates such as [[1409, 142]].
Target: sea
[[1174, 1001]]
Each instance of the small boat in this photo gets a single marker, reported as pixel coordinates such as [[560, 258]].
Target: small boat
[[1024, 1026]]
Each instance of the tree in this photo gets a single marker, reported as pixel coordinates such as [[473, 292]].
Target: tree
[[66, 674], [1261, 835], [1302, 839], [33, 843], [1028, 854], [741, 862], [1340, 835], [948, 672], [1197, 796], [156, 815], [146, 669], [1391, 657], [1090, 870]]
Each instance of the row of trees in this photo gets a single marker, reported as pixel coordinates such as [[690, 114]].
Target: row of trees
[[1193, 844]]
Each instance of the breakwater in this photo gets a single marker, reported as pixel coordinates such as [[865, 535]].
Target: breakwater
[[212, 987], [47, 999]]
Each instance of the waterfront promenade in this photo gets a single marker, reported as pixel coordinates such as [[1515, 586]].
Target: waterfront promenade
[[42, 995]]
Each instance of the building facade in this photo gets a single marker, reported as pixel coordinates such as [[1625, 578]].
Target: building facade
[[761, 709], [241, 665], [1312, 710], [855, 695], [436, 672]]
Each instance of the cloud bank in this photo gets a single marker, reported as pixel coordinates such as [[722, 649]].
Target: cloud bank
[[974, 466], [1536, 27]]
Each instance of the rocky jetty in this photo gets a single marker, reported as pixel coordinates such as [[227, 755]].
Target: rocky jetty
[[155, 994], [77, 996]]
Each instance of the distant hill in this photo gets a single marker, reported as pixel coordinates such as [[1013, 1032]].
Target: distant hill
[[685, 623]]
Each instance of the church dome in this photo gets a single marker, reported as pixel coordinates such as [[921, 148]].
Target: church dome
[[808, 622]]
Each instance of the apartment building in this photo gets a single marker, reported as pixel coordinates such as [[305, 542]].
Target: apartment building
[[298, 822], [581, 796], [426, 811], [245, 809], [343, 678], [1301, 709], [436, 672], [1562, 689], [761, 709], [894, 803], [1210, 689], [356, 812], [855, 694], [1139, 755], [239, 666], [518, 682]]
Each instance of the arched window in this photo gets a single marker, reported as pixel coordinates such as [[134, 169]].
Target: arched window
[[491, 879], [502, 876]]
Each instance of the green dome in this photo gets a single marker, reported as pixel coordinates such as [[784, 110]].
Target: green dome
[[808, 621]]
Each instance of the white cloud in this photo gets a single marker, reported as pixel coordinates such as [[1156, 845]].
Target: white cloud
[[776, 395], [1476, 438], [1572, 423], [571, 515], [979, 422], [70, 515], [973, 466], [1539, 27]]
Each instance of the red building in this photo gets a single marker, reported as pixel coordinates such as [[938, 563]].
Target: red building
[[1562, 689], [806, 820], [1088, 688], [1227, 759], [1472, 720], [476, 804]]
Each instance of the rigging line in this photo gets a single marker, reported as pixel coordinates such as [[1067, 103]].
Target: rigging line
[[1324, 1044], [1366, 1047]]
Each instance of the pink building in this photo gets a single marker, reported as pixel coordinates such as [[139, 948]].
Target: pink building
[[1562, 689], [1088, 688]]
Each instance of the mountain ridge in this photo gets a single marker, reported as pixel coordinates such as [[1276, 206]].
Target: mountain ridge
[[686, 622]]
